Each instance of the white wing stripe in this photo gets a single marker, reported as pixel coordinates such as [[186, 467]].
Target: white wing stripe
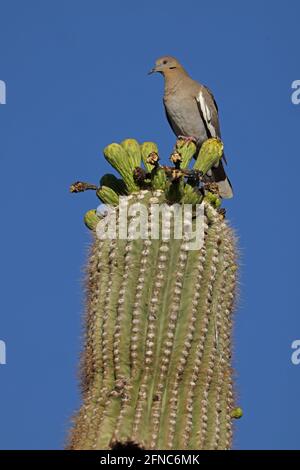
[[206, 114]]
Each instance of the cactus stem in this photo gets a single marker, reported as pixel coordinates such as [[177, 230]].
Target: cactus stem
[[156, 369]]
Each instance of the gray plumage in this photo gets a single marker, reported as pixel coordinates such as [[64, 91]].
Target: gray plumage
[[192, 112]]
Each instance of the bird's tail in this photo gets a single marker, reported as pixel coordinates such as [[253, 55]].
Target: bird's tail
[[218, 175]]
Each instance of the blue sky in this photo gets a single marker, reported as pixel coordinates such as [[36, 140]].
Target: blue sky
[[76, 80]]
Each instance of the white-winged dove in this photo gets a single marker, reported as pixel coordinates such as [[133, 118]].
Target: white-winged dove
[[192, 112]]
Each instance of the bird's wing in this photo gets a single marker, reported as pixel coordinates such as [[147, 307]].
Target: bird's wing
[[212, 97], [208, 110], [172, 123]]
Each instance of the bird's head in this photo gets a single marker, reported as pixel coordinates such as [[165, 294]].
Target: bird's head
[[166, 65]]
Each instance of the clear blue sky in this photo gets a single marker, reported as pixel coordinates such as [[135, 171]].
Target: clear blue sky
[[76, 81]]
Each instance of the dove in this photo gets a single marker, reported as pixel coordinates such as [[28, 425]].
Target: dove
[[192, 113]]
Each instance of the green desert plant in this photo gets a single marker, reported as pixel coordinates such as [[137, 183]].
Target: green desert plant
[[156, 367]]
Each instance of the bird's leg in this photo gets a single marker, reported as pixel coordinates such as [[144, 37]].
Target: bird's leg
[[188, 138]]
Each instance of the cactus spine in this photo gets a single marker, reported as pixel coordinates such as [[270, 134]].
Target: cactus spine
[[156, 368]]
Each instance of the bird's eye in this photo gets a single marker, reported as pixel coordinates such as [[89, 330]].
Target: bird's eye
[[165, 62]]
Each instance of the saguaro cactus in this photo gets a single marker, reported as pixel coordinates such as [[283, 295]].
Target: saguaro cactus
[[156, 366]]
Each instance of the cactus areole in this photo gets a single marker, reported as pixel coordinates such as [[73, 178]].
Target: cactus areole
[[156, 365]]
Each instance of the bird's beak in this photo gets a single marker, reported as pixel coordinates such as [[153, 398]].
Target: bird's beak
[[152, 71]]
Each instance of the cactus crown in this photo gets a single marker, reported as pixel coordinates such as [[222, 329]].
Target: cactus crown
[[139, 168]]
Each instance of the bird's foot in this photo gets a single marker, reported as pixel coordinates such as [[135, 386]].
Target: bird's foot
[[188, 139]]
